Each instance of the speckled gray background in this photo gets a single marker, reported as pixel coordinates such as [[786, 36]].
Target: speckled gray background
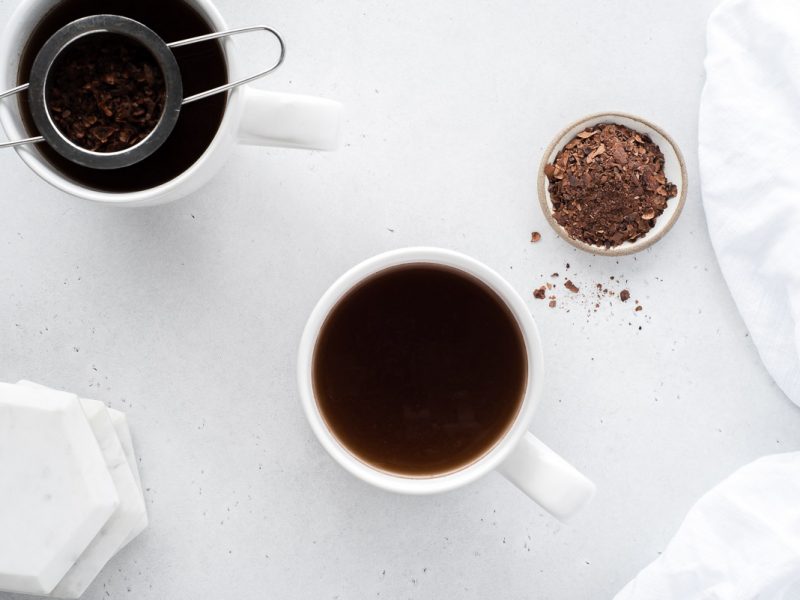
[[188, 316]]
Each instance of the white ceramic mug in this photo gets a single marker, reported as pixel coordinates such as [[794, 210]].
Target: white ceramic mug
[[251, 116], [527, 462]]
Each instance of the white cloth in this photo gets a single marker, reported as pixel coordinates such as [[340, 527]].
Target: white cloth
[[741, 541], [749, 134]]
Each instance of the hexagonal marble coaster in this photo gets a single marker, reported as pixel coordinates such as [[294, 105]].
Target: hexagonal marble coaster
[[56, 489], [128, 520], [120, 423]]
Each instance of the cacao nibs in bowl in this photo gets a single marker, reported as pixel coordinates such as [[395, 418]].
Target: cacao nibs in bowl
[[105, 93], [607, 185]]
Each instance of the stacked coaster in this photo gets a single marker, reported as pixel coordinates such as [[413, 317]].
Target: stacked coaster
[[70, 494]]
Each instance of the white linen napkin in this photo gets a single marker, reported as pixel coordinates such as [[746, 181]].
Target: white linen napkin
[[749, 134], [740, 541]]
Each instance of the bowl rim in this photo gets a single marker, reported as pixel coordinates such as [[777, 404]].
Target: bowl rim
[[625, 248]]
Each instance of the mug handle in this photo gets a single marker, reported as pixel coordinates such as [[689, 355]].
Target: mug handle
[[547, 478], [289, 120]]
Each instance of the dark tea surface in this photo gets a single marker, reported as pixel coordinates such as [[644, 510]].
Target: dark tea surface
[[420, 370], [202, 66]]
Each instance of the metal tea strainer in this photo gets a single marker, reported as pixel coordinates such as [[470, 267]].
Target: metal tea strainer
[[162, 53]]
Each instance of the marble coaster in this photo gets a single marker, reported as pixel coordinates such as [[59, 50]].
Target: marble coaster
[[120, 423], [56, 489], [126, 521]]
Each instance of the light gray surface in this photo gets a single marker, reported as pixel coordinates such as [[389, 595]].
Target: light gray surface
[[187, 317]]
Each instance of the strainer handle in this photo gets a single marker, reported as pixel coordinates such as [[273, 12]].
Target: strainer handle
[[222, 34], [31, 140]]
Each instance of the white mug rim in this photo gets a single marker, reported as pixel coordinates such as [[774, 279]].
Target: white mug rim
[[501, 450], [19, 20]]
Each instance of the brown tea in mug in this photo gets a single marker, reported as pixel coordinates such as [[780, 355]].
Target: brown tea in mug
[[202, 66], [420, 370]]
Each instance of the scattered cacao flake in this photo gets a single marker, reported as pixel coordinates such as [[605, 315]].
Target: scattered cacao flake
[[107, 93], [608, 185], [592, 298], [535, 236]]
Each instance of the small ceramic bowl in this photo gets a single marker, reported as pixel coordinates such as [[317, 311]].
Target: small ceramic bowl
[[674, 169]]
